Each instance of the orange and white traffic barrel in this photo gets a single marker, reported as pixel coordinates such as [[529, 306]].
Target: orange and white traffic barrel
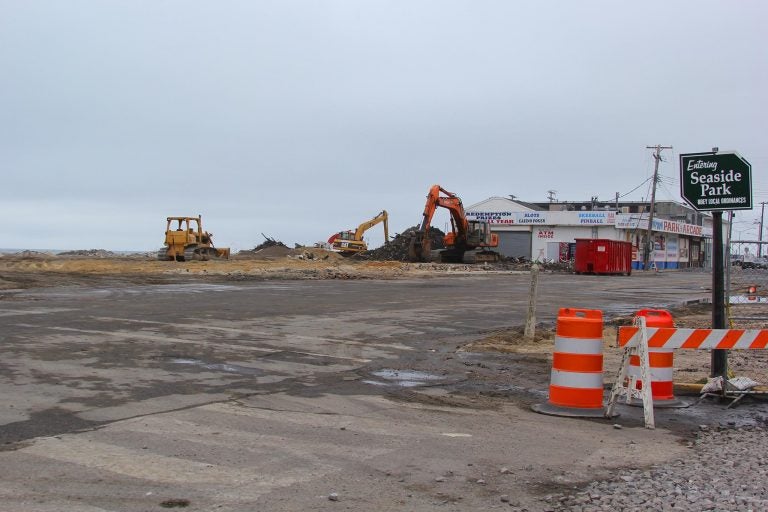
[[661, 361], [576, 381]]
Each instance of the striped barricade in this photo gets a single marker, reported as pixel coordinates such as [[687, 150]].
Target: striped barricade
[[705, 339], [662, 364], [625, 384], [638, 339]]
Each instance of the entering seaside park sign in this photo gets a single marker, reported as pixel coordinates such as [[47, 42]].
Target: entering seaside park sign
[[716, 181]]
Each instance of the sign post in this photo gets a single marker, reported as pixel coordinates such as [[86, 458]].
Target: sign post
[[715, 182]]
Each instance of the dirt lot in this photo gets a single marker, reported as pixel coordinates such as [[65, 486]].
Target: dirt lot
[[48, 270]]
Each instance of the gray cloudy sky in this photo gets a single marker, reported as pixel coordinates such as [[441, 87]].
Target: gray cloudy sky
[[299, 118]]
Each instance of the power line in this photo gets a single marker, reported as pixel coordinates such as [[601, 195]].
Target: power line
[[637, 187]]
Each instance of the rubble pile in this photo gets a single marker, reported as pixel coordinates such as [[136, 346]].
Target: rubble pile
[[268, 242], [267, 250], [397, 248], [32, 254], [556, 266], [89, 253]]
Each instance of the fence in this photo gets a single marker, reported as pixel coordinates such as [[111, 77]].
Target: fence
[[746, 283]]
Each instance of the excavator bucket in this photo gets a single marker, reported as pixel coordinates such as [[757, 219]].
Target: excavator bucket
[[420, 248]]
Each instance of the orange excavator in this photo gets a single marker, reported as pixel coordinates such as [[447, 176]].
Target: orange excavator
[[469, 241]]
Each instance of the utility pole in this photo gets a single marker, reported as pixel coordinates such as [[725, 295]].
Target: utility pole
[[760, 233], [649, 234]]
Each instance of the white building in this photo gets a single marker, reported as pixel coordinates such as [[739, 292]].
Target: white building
[[548, 231]]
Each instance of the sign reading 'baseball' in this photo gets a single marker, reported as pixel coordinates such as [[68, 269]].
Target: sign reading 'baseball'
[[716, 181]]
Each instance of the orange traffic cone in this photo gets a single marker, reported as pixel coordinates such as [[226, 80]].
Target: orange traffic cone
[[576, 381]]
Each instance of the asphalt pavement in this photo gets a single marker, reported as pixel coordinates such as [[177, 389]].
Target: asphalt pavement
[[274, 395]]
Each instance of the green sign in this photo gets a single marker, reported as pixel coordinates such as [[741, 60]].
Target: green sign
[[716, 181]]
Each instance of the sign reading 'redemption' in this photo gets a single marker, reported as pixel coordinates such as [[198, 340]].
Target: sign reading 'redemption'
[[716, 181]]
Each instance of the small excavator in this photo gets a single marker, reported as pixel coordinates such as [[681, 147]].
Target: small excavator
[[351, 242], [189, 242], [469, 241]]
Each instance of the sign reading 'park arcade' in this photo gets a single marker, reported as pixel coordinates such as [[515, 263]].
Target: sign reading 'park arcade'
[[716, 181]]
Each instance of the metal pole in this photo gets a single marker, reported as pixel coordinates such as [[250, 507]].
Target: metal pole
[[760, 234], [719, 356], [728, 261]]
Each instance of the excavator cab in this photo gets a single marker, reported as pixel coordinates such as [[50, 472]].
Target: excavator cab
[[479, 234]]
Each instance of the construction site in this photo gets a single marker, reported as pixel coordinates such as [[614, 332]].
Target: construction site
[[428, 373], [435, 256]]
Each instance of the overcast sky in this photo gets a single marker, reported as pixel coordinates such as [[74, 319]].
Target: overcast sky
[[297, 119]]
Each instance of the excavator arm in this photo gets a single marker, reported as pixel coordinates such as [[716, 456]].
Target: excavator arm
[[365, 226]]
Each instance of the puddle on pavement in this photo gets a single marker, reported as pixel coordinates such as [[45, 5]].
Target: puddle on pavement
[[221, 367], [403, 378]]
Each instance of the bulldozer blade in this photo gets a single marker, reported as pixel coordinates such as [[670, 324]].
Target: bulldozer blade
[[222, 253]]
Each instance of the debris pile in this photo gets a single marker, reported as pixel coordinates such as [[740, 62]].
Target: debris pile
[[397, 248], [89, 253], [32, 254], [268, 242], [269, 249], [556, 266]]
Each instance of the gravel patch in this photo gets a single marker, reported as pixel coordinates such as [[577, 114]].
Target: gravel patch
[[727, 470]]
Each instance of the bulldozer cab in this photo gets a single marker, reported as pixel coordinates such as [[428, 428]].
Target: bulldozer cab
[[182, 230]]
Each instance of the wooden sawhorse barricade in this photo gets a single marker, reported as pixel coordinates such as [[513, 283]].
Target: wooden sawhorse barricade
[[638, 338]]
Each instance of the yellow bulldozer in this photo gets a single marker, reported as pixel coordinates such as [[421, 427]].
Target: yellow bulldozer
[[186, 241]]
